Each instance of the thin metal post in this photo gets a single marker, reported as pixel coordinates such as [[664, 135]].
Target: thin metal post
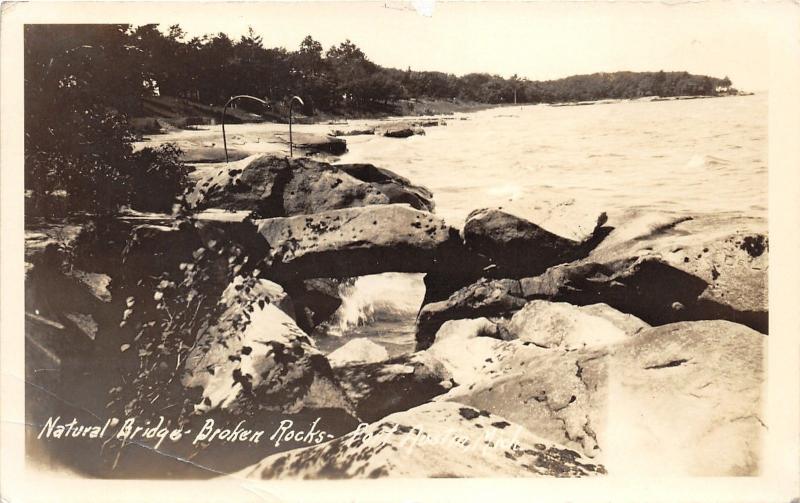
[[291, 102]]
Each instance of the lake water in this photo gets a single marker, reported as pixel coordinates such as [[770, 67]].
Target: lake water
[[684, 156], [692, 156]]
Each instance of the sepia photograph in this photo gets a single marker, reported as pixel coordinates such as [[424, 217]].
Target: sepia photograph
[[421, 240]]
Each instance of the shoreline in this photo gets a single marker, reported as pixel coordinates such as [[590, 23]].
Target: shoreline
[[410, 108]]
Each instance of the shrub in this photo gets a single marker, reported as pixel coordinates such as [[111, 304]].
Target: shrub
[[158, 178]]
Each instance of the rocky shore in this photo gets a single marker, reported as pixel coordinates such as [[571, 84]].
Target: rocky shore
[[576, 346]]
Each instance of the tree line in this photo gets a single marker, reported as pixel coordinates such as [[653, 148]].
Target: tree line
[[212, 68]]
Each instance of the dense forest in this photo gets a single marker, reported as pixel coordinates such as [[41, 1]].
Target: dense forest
[[83, 82]]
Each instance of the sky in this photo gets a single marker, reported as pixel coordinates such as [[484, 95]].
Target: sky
[[536, 40]]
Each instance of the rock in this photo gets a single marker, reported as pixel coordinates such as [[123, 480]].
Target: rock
[[197, 154], [314, 188], [356, 242], [543, 391], [315, 143], [399, 131], [689, 401], [315, 300], [485, 298], [397, 188], [272, 186], [667, 269], [569, 220], [683, 398], [382, 388], [259, 361], [431, 441], [562, 325], [262, 289], [358, 351], [97, 283], [517, 247], [255, 183], [153, 249], [729, 253], [465, 347], [353, 132]]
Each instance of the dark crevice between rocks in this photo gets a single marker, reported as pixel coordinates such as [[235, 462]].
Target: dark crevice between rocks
[[672, 363]]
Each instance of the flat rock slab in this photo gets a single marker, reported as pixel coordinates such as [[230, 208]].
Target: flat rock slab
[[355, 242], [680, 399], [315, 142]]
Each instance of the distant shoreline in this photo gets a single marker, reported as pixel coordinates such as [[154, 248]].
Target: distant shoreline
[[174, 114]]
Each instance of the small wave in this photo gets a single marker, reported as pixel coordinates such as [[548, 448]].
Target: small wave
[[706, 161], [386, 297]]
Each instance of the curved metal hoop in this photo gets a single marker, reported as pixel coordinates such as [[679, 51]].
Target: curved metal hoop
[[225, 108], [263, 102]]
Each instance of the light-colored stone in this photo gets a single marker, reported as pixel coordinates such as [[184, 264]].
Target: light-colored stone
[[679, 399], [430, 441], [562, 325], [358, 351], [465, 347], [257, 358]]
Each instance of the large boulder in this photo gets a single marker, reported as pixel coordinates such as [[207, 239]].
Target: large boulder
[[271, 186], [397, 188], [357, 242], [255, 183], [728, 252], [683, 398], [314, 188], [668, 268], [430, 441], [517, 247], [255, 357], [484, 298], [400, 383]]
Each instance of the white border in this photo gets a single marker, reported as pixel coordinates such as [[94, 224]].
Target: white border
[[779, 481]]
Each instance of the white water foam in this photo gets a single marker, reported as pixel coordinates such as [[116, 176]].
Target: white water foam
[[387, 297]]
